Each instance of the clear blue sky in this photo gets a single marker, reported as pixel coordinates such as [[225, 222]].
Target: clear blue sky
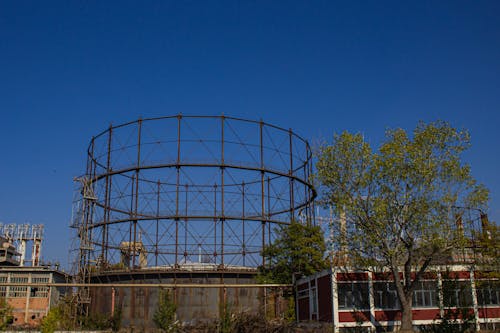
[[70, 68]]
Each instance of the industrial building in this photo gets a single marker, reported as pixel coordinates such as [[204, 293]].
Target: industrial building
[[367, 301], [29, 304]]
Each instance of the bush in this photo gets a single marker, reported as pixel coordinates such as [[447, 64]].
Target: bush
[[50, 323], [164, 316], [6, 317]]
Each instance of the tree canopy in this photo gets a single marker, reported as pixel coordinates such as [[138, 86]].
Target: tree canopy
[[298, 249], [396, 205]]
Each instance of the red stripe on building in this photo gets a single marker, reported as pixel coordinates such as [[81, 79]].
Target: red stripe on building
[[354, 316], [352, 277], [489, 312]]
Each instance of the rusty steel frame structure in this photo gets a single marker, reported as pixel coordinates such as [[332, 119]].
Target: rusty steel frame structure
[[175, 190]]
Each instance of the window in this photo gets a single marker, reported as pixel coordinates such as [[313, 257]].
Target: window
[[16, 278], [303, 293], [40, 279], [3, 290], [385, 295], [353, 295], [17, 291], [457, 293], [313, 301], [39, 292], [425, 295], [488, 292]]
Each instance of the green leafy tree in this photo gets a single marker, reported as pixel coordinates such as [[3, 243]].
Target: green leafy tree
[[116, 320], [298, 248], [164, 316], [64, 317], [226, 324], [6, 317], [51, 322], [60, 317], [395, 205]]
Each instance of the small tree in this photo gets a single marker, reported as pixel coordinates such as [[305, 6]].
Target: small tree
[[164, 316], [51, 322], [6, 317], [395, 206], [116, 319], [299, 248], [226, 324]]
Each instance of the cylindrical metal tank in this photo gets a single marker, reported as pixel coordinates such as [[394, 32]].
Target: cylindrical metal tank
[[194, 304], [162, 194]]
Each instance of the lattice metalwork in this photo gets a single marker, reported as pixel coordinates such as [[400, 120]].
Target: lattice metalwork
[[190, 189]]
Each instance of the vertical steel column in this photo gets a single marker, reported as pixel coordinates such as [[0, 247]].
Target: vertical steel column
[[136, 199], [85, 249], [268, 210], [107, 194], [109, 215], [131, 214], [157, 220], [306, 193], [186, 186], [84, 243], [92, 204], [215, 223], [222, 218], [290, 173], [308, 180], [243, 252], [177, 184], [262, 191], [92, 210]]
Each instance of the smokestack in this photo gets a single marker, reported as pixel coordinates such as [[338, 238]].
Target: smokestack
[[35, 254]]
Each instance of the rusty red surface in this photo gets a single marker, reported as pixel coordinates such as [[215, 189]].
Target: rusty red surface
[[490, 312], [325, 306], [303, 309], [354, 316]]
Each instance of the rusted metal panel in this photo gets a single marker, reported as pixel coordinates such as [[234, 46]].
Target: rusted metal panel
[[138, 304]]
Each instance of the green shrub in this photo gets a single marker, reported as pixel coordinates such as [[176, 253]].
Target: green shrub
[[6, 317], [164, 316], [50, 323]]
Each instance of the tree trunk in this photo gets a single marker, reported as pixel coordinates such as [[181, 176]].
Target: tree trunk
[[406, 316]]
